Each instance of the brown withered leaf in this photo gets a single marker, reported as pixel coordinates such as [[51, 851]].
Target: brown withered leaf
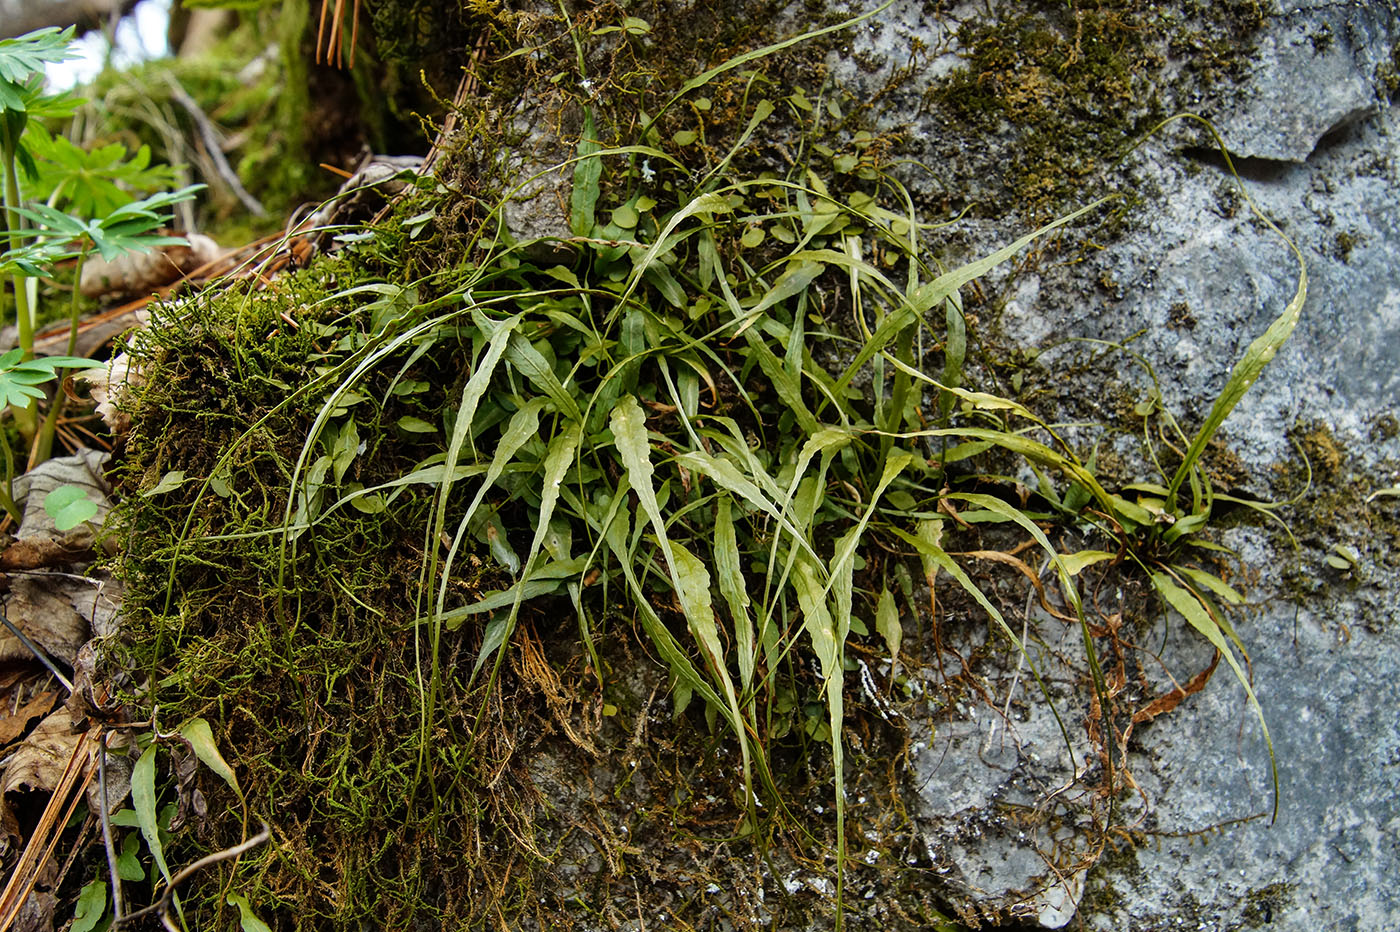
[[84, 469], [191, 800], [91, 690], [135, 273], [13, 726], [35, 553], [41, 605], [39, 761], [37, 912], [107, 385], [1170, 700], [11, 835], [118, 783], [98, 598]]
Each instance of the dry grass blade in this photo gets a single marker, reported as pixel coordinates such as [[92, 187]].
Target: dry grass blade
[[77, 774], [999, 556]]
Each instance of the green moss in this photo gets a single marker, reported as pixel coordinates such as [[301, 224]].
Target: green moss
[[1333, 512], [1182, 316], [1322, 450], [1387, 75], [1344, 242], [1117, 864], [304, 656], [1067, 88], [1050, 82]]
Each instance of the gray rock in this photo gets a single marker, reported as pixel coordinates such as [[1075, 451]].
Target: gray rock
[[1004, 814], [1199, 278], [1329, 693], [1324, 665], [1313, 76]]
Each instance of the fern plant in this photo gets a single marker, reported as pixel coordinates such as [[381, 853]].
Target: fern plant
[[88, 206]]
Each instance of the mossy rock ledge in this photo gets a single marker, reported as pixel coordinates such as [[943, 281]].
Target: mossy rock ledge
[[560, 781]]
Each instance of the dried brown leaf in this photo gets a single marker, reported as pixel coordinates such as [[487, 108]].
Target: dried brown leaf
[[36, 775], [1170, 700], [999, 556], [106, 385], [98, 598], [83, 469], [12, 726], [134, 273], [42, 552], [13, 676], [40, 759], [41, 605], [37, 913]]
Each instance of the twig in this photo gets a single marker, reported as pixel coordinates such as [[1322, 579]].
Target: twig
[[354, 33], [216, 152], [335, 44], [38, 652], [163, 904], [321, 30], [466, 87], [118, 908]]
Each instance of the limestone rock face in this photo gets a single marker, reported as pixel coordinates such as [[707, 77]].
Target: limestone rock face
[[1314, 75], [1194, 279]]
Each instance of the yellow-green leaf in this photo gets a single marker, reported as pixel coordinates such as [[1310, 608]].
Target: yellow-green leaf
[[1074, 563], [248, 920], [198, 733], [92, 906], [1189, 607], [733, 588], [887, 624], [1213, 583]]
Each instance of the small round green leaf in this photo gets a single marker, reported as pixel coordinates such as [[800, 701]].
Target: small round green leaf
[[368, 504], [69, 506], [625, 216]]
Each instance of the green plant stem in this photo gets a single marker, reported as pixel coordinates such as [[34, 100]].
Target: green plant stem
[[7, 495], [8, 149], [43, 440], [24, 313]]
